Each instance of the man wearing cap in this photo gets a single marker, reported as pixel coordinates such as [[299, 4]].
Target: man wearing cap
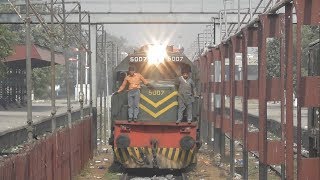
[[133, 79], [187, 92]]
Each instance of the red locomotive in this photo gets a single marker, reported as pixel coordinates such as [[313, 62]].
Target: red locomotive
[[154, 140]]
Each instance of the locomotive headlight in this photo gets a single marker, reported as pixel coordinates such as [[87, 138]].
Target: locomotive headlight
[[156, 54]]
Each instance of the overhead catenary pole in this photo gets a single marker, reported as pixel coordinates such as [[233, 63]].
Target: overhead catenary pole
[[238, 14], [107, 94], [199, 44], [225, 16], [117, 55], [87, 65], [105, 60], [28, 73], [86, 78], [67, 64], [80, 64], [93, 71], [53, 72], [250, 11], [101, 68], [90, 63]]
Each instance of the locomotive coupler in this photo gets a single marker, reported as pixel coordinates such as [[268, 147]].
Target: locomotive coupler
[[154, 146], [144, 160], [144, 157]]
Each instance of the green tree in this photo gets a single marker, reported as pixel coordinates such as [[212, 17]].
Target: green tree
[[309, 34], [273, 58], [7, 40]]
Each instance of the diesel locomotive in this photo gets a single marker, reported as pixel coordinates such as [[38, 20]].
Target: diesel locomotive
[[154, 140]]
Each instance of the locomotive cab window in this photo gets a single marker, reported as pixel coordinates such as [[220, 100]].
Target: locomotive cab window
[[163, 71]]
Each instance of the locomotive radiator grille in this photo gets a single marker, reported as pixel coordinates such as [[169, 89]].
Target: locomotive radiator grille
[[160, 107], [138, 157], [155, 115]]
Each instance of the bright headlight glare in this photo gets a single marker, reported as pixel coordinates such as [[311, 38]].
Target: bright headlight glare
[[156, 54]]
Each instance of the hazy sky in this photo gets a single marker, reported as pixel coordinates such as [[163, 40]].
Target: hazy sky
[[142, 33]]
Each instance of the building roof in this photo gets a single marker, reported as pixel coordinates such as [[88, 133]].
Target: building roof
[[40, 57]]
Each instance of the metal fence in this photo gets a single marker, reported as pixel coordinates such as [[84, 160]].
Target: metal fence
[[60, 156], [18, 136], [220, 119]]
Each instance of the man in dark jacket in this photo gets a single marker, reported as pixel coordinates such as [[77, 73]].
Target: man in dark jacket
[[187, 92]]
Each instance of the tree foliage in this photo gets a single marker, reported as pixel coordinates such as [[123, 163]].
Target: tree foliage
[[309, 34], [7, 40], [273, 58]]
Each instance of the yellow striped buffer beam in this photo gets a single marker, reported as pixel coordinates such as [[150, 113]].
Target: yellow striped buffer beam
[[166, 158]]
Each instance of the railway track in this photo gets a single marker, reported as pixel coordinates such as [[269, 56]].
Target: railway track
[[154, 175]]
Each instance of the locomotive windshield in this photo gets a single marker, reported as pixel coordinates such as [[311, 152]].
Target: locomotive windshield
[[163, 71]]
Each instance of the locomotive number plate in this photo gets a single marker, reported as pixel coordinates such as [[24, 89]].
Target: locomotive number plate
[[145, 59], [156, 92]]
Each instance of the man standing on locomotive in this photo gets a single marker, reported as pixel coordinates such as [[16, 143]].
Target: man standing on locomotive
[[133, 79], [187, 92]]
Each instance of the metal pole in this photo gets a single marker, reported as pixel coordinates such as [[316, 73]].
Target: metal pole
[[170, 6], [77, 75], [80, 64], [223, 99], [214, 30], [67, 64], [231, 52], [245, 103], [53, 73], [282, 90], [90, 63], [206, 33], [117, 55], [107, 94], [93, 48], [100, 86], [199, 44], [220, 25], [262, 70], [211, 32], [289, 91], [112, 47], [28, 74], [250, 11], [105, 59], [86, 78], [225, 16], [238, 14]]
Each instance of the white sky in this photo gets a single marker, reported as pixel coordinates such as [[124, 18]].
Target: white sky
[[140, 34]]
